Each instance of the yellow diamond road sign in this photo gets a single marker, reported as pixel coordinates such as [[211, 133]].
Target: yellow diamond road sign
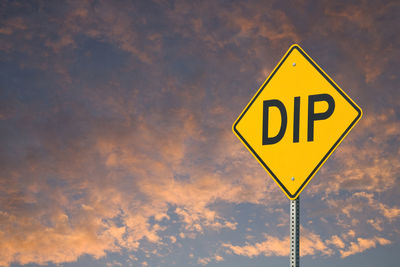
[[295, 121]]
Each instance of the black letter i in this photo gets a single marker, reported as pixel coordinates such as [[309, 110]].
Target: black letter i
[[296, 119]]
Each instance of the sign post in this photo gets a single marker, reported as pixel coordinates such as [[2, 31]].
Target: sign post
[[293, 124], [295, 232]]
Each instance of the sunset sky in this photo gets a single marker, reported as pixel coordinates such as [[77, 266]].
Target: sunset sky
[[116, 134]]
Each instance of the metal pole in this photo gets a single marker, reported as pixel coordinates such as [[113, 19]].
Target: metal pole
[[295, 232]]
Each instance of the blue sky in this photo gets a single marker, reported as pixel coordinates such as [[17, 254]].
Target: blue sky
[[117, 148]]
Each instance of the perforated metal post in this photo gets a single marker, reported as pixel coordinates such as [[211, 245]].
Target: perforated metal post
[[295, 232]]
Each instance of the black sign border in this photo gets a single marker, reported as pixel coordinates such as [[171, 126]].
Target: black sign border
[[294, 196]]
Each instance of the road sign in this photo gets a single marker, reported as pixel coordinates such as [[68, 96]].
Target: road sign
[[295, 121]]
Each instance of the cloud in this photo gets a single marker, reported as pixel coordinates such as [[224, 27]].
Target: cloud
[[118, 137], [271, 246], [102, 181], [311, 244], [336, 241], [361, 20], [13, 24], [23, 237], [389, 213], [354, 168], [273, 25], [207, 260], [377, 224], [361, 201], [362, 245]]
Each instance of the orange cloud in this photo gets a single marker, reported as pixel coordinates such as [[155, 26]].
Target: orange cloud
[[26, 240], [79, 215], [311, 244], [373, 169], [104, 171], [336, 241], [363, 244]]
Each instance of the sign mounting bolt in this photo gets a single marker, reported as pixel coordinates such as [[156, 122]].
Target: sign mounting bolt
[[292, 178], [294, 64]]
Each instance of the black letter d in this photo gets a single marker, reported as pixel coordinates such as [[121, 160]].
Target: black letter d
[[272, 140]]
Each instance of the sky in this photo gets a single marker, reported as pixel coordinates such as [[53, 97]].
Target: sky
[[116, 134]]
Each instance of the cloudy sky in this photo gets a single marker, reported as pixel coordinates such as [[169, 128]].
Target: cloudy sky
[[116, 140]]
